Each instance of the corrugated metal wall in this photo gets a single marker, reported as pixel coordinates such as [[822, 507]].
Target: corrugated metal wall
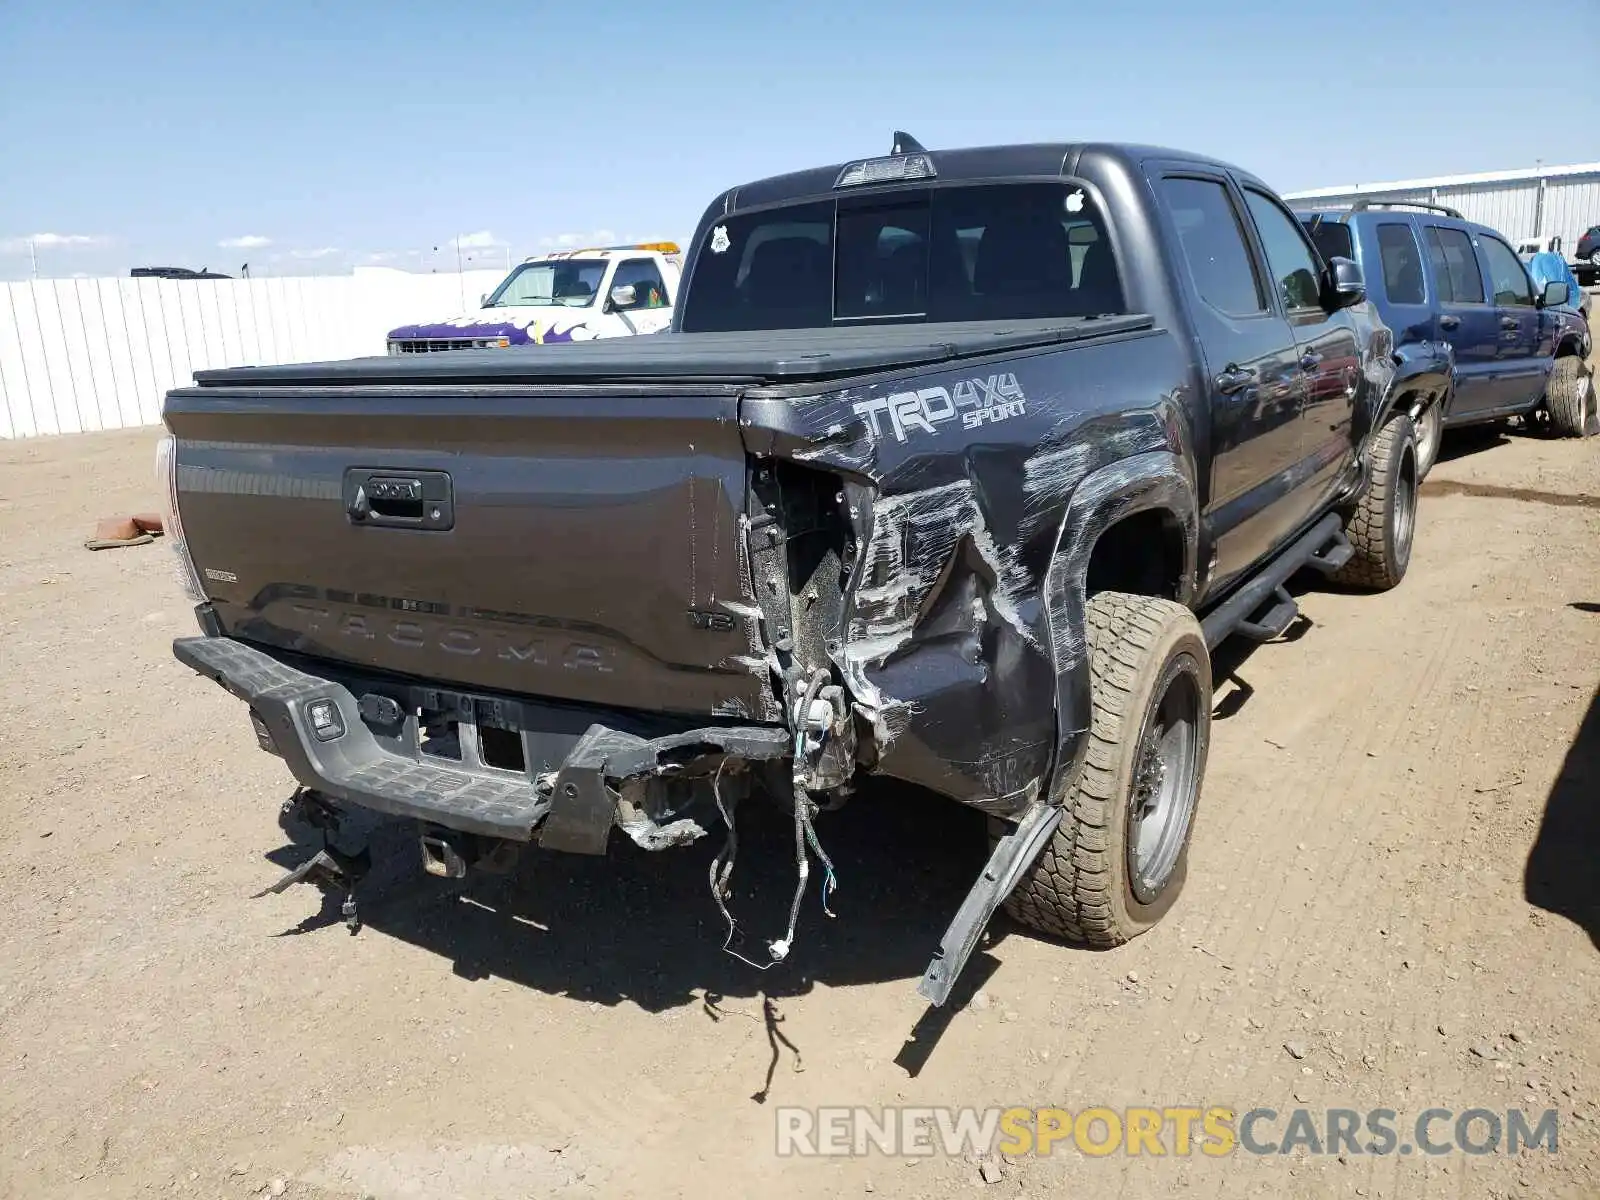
[[1571, 205], [80, 354], [1511, 208]]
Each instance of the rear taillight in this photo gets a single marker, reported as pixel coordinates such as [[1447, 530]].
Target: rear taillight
[[167, 476]]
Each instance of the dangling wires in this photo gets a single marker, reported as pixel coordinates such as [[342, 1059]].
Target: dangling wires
[[722, 870], [805, 835]]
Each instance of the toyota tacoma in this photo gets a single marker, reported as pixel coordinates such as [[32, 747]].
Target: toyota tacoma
[[952, 470]]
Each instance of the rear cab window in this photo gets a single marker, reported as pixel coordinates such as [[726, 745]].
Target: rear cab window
[[982, 252]]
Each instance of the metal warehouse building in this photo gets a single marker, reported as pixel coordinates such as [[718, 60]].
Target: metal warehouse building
[[1540, 202]]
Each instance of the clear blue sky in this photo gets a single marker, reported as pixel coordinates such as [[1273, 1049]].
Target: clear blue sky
[[347, 131]]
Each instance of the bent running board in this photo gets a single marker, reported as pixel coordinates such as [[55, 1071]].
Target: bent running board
[[1012, 855]]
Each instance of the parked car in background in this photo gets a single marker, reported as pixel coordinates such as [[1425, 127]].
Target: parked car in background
[[175, 273], [1589, 246], [1548, 266], [566, 296], [1475, 340], [953, 470]]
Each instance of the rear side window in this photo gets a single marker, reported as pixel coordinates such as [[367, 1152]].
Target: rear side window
[[1332, 238], [1510, 280], [1287, 253], [1402, 264], [979, 253], [1455, 266], [1214, 245]]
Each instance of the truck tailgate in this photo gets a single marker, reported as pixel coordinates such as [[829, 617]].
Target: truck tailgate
[[579, 544]]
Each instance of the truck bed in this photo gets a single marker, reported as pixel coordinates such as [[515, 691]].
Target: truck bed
[[634, 524]]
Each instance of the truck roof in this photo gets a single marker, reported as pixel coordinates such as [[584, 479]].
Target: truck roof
[[666, 248], [969, 165]]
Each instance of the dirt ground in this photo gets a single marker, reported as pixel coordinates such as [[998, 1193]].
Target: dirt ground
[[1393, 874]]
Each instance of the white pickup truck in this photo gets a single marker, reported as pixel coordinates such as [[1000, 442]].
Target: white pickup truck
[[566, 296]]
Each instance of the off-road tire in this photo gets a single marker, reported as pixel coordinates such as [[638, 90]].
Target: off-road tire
[[1569, 397], [1381, 523], [1079, 889]]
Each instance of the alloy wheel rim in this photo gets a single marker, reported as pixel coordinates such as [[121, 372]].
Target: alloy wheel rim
[[1405, 511], [1165, 785]]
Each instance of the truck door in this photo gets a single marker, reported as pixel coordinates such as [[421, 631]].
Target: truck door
[[1466, 319], [651, 308], [1329, 353], [1251, 367], [1521, 369]]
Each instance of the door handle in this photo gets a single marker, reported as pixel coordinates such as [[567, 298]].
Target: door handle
[[399, 499], [1449, 322], [1234, 379], [1510, 323], [1310, 361]]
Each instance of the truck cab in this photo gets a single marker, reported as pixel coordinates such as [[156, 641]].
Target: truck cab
[[1476, 340], [566, 296]]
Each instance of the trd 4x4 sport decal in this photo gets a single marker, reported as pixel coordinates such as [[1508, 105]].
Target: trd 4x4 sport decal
[[977, 402]]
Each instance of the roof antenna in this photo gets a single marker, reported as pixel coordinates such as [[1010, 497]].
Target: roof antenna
[[904, 143]]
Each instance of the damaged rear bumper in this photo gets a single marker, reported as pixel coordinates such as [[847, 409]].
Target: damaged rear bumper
[[333, 745]]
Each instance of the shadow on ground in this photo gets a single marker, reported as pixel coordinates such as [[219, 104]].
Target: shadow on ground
[[1563, 874], [642, 928], [1472, 439]]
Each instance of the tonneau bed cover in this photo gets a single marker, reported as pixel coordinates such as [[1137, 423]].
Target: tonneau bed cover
[[747, 357]]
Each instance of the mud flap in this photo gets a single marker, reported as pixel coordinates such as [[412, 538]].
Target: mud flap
[[1012, 855]]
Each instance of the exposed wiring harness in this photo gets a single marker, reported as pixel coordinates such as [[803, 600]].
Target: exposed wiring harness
[[805, 835]]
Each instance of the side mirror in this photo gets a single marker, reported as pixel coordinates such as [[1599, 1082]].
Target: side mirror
[[624, 296], [483, 300], [1556, 293], [1345, 284]]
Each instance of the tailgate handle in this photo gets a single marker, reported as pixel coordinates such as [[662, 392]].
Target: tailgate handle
[[399, 499]]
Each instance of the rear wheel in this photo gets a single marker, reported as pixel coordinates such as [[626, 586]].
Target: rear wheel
[[1570, 398], [1118, 860], [1381, 523]]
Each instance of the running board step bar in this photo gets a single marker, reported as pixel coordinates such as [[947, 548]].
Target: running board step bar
[[1333, 556], [1275, 621], [1323, 548]]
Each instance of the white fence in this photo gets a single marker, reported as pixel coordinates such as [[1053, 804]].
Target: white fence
[[82, 354]]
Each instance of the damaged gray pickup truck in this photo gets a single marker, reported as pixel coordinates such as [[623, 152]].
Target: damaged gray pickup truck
[[953, 470]]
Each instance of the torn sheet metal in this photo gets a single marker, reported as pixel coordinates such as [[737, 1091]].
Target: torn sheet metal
[[958, 486], [609, 778]]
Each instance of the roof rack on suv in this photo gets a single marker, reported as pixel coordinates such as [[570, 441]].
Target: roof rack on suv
[[1363, 205]]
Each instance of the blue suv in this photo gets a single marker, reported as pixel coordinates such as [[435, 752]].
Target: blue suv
[[1475, 341]]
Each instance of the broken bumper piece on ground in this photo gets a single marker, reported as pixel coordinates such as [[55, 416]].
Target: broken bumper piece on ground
[[609, 777]]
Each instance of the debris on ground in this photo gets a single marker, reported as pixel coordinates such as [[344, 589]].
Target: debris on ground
[[137, 530]]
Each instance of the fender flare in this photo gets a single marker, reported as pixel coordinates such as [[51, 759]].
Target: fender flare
[[1572, 343], [1153, 480]]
